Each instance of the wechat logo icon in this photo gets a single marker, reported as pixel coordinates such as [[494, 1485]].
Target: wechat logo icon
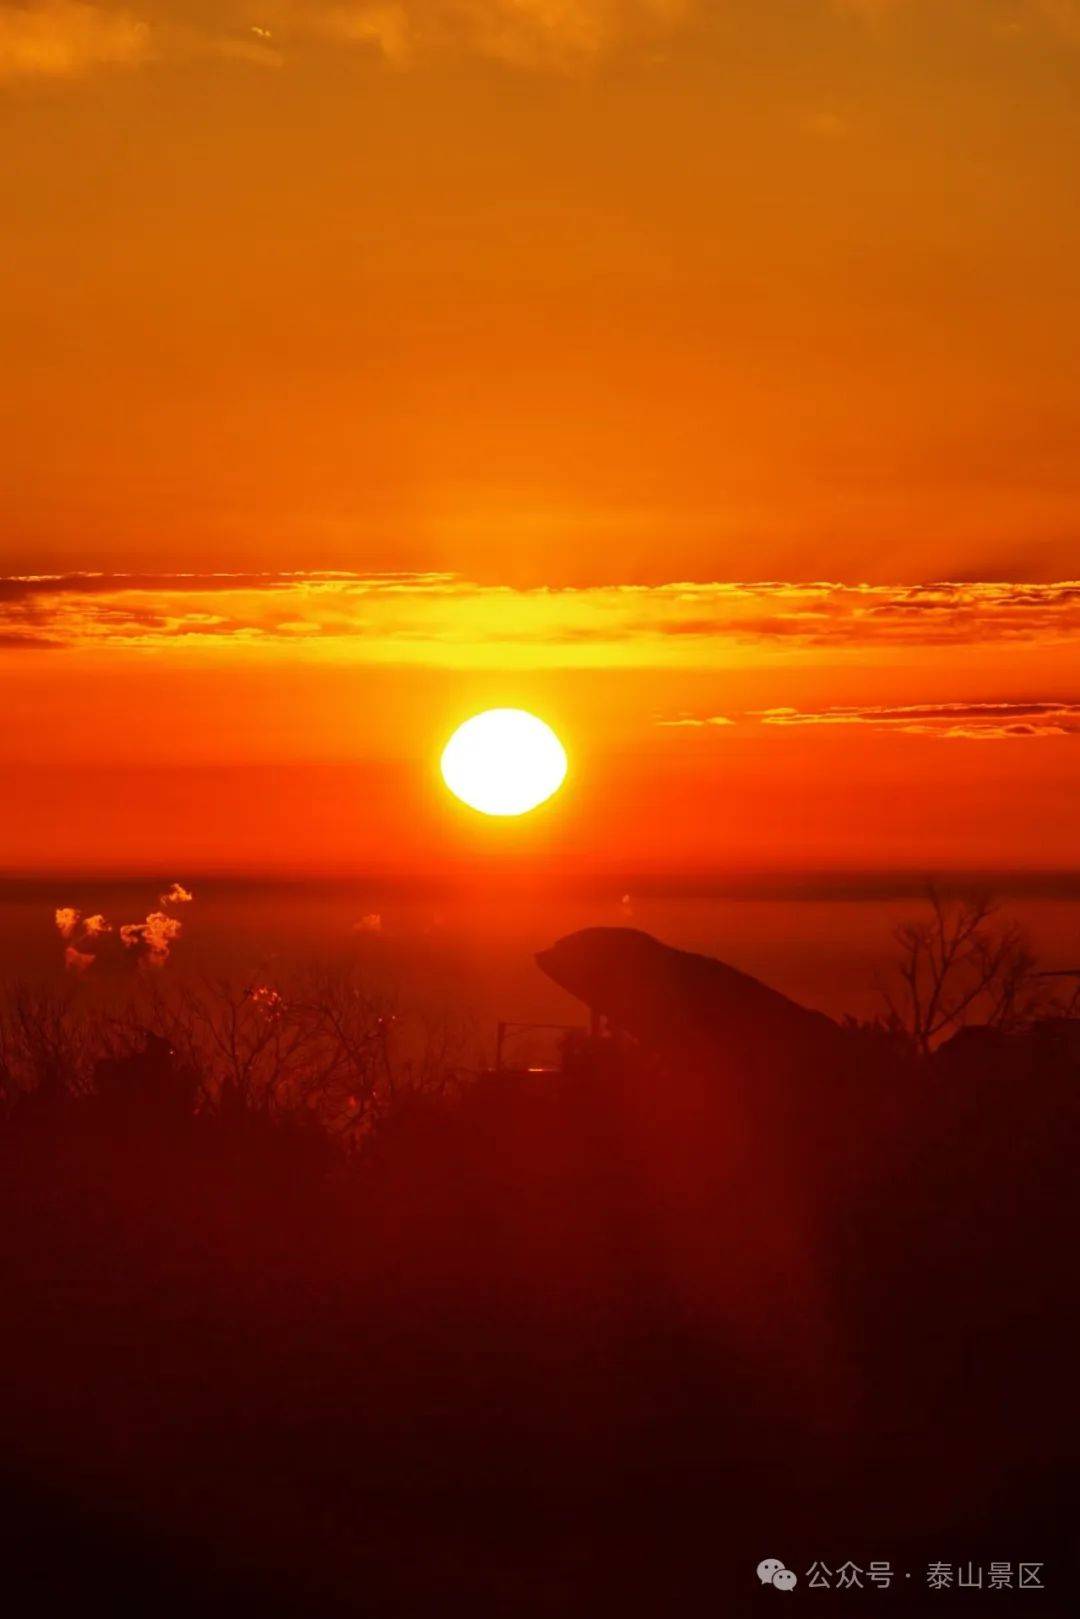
[[771, 1571]]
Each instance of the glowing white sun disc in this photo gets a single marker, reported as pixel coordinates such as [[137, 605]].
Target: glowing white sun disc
[[503, 762]]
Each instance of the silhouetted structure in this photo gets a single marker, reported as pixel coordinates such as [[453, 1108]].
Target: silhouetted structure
[[674, 1001]]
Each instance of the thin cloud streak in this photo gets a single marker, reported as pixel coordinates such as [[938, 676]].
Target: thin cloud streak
[[442, 620], [978, 722], [695, 722]]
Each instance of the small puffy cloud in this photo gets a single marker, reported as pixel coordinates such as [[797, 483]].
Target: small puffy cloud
[[176, 895], [372, 923], [78, 931], [154, 936], [67, 920], [66, 38]]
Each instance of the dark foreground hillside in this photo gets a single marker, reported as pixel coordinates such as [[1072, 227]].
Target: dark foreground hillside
[[595, 1342]]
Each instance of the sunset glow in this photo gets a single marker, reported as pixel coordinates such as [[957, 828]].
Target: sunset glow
[[702, 378]]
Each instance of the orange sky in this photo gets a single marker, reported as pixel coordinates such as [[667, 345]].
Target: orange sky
[[492, 347]]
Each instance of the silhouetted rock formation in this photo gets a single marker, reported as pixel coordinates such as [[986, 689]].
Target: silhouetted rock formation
[[675, 1002]]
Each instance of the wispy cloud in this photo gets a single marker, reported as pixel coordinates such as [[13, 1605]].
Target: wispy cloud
[[69, 38], [57, 39], [531, 33], [443, 620], [980, 722], [65, 38], [695, 722]]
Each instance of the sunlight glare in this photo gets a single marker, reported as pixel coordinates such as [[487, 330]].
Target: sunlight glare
[[504, 761]]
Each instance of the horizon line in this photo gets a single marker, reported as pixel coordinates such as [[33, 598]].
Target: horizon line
[[836, 883]]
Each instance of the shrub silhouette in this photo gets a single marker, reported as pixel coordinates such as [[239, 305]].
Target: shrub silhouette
[[568, 1343]]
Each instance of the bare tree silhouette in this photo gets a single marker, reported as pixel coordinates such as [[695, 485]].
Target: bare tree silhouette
[[964, 964], [321, 1045], [46, 1047]]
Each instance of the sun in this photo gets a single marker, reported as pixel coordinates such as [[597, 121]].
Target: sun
[[504, 761]]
